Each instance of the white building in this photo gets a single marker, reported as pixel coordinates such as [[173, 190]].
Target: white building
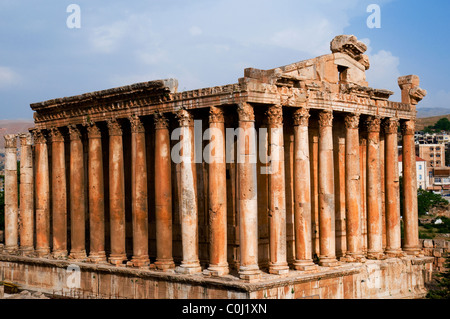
[[423, 179]]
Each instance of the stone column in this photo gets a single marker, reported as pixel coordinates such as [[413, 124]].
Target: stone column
[[42, 185], [188, 201], [353, 190], [327, 256], [374, 194], [11, 196], [59, 195], [116, 194], [26, 195], [314, 164], [217, 188], [77, 196], [302, 193], [139, 194], [393, 236], [163, 194], [277, 193], [247, 194], [410, 209], [96, 196]]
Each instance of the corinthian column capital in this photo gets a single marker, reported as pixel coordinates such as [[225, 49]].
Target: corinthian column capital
[[216, 115], [11, 141], [74, 133], [274, 115], [246, 112], [114, 127], [56, 135], [136, 125], [373, 124], [301, 117], [161, 121], [408, 127], [185, 118], [352, 121], [93, 130], [390, 125], [326, 118]]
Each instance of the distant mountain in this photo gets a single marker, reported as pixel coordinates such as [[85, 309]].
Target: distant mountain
[[432, 111], [13, 127]]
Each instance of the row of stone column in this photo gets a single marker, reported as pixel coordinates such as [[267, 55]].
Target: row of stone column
[[246, 194]]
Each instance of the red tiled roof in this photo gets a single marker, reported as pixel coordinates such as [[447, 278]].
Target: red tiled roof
[[418, 159]]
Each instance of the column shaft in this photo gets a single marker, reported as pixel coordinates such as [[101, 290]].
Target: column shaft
[[247, 194], [59, 196], [42, 185], [393, 236], [277, 193], [139, 194], [11, 195], [410, 209], [217, 188], [374, 210], [163, 195], [188, 201], [26, 195], [77, 196], [353, 189], [326, 191], [96, 196], [116, 194], [302, 193]]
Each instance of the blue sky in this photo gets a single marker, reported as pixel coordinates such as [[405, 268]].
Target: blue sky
[[207, 43]]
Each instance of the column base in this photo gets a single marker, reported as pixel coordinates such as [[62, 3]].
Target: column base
[[60, 254], [281, 269], [117, 260], [250, 273], [189, 268], [139, 262], [216, 270], [165, 265], [394, 253], [304, 265], [353, 258], [79, 256], [413, 251], [376, 255], [328, 262], [43, 253], [11, 250], [98, 258], [27, 251]]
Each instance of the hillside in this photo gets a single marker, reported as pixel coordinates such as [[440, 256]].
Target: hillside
[[428, 121]]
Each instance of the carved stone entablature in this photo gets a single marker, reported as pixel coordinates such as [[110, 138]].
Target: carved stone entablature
[[408, 127], [216, 115], [301, 117], [11, 141], [364, 91], [161, 121], [74, 133], [136, 124], [349, 45], [417, 94], [246, 112], [352, 121], [326, 118], [225, 89], [274, 115], [391, 126], [373, 124], [114, 127], [185, 118]]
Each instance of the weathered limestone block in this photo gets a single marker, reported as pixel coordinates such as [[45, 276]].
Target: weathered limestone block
[[349, 45]]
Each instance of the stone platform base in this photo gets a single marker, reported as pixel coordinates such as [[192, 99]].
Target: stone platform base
[[390, 278]]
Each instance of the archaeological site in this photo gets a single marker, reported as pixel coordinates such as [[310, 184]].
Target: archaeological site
[[283, 185]]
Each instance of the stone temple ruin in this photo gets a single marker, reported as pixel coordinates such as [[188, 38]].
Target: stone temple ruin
[[302, 202]]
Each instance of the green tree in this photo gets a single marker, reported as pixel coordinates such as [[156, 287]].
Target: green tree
[[442, 125], [427, 200]]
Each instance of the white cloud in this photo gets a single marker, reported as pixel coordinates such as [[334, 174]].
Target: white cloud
[[8, 77], [195, 31], [384, 70]]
